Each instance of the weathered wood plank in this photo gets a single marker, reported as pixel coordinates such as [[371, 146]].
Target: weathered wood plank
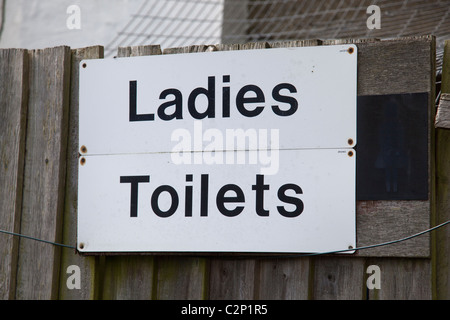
[[338, 278], [138, 51], [402, 279], [188, 49], [283, 279], [232, 279], [86, 264], [181, 278], [382, 221], [44, 173], [13, 109], [405, 65], [441, 259], [295, 43], [445, 77], [443, 112], [123, 273], [128, 278]]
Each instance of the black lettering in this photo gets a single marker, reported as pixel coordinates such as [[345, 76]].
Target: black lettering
[[177, 102], [226, 98], [204, 195], [221, 199], [188, 199], [241, 100], [286, 99], [259, 187], [210, 93], [133, 106], [292, 200], [155, 203], [134, 180]]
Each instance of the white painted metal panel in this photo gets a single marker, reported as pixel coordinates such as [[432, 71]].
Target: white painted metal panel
[[324, 79], [327, 222]]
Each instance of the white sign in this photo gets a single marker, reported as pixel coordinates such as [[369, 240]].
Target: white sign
[[238, 151]]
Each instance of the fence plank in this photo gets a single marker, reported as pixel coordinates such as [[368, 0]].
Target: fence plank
[[443, 112], [181, 278], [123, 273], [44, 173], [13, 109], [86, 264], [232, 279], [128, 278], [338, 278], [284, 278], [402, 279], [442, 239], [405, 65]]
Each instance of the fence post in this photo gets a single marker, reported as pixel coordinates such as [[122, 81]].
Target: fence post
[[13, 110], [442, 262], [44, 173]]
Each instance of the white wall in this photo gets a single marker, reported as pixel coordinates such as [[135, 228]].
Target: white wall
[[35, 24]]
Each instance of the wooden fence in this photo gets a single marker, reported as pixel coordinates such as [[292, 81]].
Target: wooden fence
[[38, 196]]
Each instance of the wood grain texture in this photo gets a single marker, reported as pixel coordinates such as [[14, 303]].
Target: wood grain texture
[[232, 279], [445, 76], [128, 278], [86, 264], [181, 278], [443, 112], [441, 259], [13, 109], [136, 51], [405, 65], [382, 221], [338, 278], [402, 279], [44, 173], [283, 279]]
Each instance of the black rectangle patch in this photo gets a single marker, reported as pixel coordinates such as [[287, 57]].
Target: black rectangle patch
[[392, 147]]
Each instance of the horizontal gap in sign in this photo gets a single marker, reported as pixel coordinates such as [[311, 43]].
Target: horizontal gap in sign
[[213, 151]]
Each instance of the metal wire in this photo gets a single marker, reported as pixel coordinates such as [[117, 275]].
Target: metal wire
[[278, 256]]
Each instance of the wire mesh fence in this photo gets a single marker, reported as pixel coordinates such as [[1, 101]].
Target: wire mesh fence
[[173, 23]]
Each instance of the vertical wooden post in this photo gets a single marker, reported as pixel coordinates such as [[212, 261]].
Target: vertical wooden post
[[442, 260], [129, 277], [44, 173], [13, 109], [86, 264]]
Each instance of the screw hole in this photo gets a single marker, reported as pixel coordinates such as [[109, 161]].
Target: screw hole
[[350, 141], [350, 50], [81, 245], [82, 161], [83, 149], [350, 153], [84, 65]]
